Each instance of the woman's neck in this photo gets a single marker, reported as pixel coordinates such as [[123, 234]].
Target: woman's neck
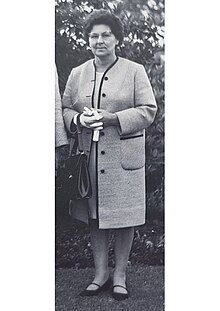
[[103, 63]]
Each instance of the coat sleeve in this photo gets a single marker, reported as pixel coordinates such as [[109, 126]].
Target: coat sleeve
[[69, 98], [60, 131], [143, 113]]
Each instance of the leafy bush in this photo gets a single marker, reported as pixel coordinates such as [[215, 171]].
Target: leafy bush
[[74, 249]]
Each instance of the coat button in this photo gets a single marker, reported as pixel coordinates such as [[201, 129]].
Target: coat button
[[102, 171], [106, 78], [103, 95], [102, 152], [102, 133]]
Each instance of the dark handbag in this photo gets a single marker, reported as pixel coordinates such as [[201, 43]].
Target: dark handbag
[[73, 178]]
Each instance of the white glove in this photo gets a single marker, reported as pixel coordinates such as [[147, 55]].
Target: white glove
[[90, 119], [87, 120]]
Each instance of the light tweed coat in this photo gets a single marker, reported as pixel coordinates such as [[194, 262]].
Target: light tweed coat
[[126, 91], [60, 132]]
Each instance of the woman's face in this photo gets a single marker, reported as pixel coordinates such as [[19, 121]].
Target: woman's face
[[102, 41]]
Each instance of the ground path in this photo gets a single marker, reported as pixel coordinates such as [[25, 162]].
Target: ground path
[[146, 285]]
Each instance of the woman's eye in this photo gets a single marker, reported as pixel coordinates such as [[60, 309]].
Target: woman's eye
[[106, 35], [94, 37]]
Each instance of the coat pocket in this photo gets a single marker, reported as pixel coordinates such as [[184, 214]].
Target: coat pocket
[[133, 151]]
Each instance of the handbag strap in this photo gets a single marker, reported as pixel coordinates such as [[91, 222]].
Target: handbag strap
[[79, 133], [76, 140]]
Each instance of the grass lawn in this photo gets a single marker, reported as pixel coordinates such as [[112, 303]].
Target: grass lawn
[[145, 284]]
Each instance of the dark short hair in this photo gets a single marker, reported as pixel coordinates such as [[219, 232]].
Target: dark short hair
[[99, 17]]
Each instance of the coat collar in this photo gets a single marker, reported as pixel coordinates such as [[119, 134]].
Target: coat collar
[[90, 69], [117, 58]]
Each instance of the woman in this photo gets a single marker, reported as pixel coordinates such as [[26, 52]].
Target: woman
[[120, 92]]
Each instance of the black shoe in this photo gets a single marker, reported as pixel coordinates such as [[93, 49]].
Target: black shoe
[[94, 292], [119, 296]]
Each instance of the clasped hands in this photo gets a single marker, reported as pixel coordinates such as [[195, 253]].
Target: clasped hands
[[96, 119]]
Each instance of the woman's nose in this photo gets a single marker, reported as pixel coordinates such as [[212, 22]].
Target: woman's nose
[[100, 39]]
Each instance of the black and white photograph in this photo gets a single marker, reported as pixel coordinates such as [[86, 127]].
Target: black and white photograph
[[109, 155]]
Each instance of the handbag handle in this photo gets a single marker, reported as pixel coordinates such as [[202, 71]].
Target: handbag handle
[[79, 133], [76, 140]]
